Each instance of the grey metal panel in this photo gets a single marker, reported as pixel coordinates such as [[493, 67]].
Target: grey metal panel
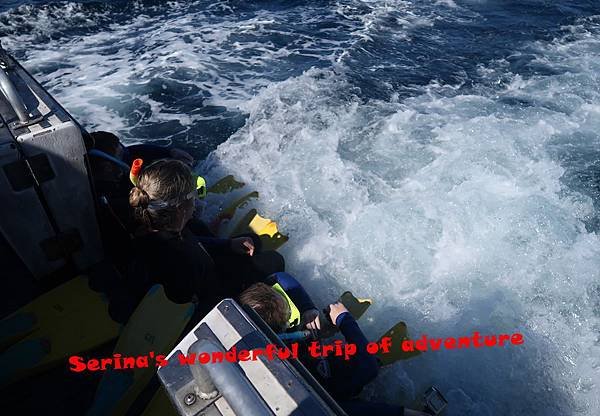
[[271, 378], [69, 195], [23, 220], [227, 378], [12, 96], [199, 406], [224, 407], [35, 97], [279, 384], [179, 381]]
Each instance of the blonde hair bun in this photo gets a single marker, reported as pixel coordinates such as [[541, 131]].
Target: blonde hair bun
[[138, 198]]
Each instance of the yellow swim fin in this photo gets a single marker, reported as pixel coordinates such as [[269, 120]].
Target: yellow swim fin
[[265, 228], [153, 329], [67, 320]]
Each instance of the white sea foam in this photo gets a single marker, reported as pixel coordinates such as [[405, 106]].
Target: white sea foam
[[379, 16], [452, 212], [103, 74], [455, 211]]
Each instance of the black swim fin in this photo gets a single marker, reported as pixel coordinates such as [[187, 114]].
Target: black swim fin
[[398, 333]]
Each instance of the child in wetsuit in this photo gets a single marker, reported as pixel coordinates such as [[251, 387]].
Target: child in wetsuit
[[284, 304]]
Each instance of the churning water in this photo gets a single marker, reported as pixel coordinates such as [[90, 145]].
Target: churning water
[[441, 157]]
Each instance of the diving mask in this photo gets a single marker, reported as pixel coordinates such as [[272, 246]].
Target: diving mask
[[200, 191]]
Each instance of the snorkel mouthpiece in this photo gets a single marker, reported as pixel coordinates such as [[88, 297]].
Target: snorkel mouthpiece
[[201, 187], [134, 173]]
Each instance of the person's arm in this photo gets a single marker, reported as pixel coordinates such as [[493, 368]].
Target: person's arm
[[294, 290], [353, 335], [197, 232], [215, 244], [219, 246], [364, 365]]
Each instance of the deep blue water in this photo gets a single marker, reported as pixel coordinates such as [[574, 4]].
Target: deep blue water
[[442, 157]]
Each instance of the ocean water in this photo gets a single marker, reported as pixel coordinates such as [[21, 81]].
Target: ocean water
[[441, 157]]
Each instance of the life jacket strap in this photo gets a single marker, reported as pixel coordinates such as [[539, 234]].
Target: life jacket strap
[[294, 319]]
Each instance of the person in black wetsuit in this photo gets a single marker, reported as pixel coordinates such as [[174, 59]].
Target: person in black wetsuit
[[110, 162], [284, 305], [167, 252]]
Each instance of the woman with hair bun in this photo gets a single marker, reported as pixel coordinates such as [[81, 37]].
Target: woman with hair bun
[[167, 252], [163, 199]]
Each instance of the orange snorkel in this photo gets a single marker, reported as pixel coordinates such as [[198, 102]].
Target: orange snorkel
[[134, 173]]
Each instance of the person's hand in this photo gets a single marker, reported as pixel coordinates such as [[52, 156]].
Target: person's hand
[[335, 310], [181, 155], [242, 245], [310, 319]]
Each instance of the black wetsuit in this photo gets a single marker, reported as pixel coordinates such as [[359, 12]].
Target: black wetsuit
[[178, 263], [351, 376], [188, 265], [185, 265], [347, 377], [115, 217]]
